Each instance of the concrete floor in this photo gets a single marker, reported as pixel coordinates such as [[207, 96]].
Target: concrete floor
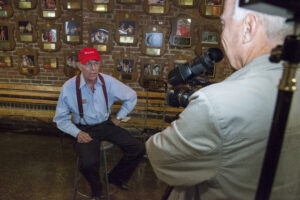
[[41, 167]]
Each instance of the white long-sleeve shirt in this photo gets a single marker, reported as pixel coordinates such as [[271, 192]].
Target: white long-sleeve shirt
[[94, 105], [215, 149]]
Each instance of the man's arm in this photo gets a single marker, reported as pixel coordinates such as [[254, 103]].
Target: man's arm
[[186, 153], [122, 92], [62, 116]]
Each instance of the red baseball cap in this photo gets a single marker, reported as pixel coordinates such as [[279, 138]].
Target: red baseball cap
[[87, 54]]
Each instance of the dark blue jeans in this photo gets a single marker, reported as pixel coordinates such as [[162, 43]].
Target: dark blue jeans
[[89, 153]]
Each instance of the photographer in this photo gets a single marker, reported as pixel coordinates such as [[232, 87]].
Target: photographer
[[216, 148]]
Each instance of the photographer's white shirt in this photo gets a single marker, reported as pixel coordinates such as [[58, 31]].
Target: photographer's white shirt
[[216, 147]]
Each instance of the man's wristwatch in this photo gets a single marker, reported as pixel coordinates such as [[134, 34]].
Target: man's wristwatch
[[118, 118]]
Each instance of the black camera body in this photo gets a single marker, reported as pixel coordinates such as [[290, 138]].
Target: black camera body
[[193, 74]]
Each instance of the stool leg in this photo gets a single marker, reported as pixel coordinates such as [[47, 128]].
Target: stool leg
[[76, 179], [106, 174]]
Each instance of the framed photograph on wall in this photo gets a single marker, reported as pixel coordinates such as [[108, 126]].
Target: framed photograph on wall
[[6, 9], [151, 73], [72, 31], [25, 4], [5, 61], [101, 6], [7, 41], [100, 37], [186, 3], [156, 7], [26, 29], [183, 31], [209, 37], [211, 8], [125, 67], [127, 25], [28, 61], [71, 63], [49, 37], [153, 43], [49, 9], [72, 5]]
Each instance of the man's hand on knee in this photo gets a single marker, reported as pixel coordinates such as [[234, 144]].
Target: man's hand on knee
[[83, 137]]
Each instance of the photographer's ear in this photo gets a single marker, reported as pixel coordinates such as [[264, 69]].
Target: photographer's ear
[[250, 28]]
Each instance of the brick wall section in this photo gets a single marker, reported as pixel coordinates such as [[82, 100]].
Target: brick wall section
[[56, 77]]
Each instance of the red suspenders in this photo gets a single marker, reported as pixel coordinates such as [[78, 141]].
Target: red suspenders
[[79, 98]]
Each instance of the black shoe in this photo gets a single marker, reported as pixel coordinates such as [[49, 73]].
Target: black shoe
[[119, 183]]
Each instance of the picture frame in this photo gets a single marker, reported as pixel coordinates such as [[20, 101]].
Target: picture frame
[[183, 31], [151, 73], [72, 5], [129, 1], [7, 41], [127, 28], [156, 7], [49, 37], [125, 68], [25, 4], [49, 9], [209, 36], [100, 37], [50, 63], [186, 3], [72, 30], [28, 62], [26, 29], [6, 61], [6, 9], [71, 63], [211, 8], [100, 6], [153, 40]]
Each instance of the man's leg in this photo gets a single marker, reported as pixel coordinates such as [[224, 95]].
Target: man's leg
[[89, 160], [133, 151]]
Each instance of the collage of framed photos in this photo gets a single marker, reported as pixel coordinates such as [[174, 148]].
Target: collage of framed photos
[[124, 30]]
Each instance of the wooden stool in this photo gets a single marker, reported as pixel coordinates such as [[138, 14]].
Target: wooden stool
[[104, 147]]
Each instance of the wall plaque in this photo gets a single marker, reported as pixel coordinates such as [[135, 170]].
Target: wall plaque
[[28, 61], [101, 6], [151, 76], [127, 24], [125, 67], [186, 3], [153, 40], [72, 31], [156, 7], [26, 29], [49, 37], [7, 41], [49, 9], [72, 5], [71, 63], [211, 8], [183, 31], [100, 37], [6, 9], [25, 4]]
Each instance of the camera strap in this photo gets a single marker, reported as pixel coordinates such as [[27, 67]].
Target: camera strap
[[79, 96]]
